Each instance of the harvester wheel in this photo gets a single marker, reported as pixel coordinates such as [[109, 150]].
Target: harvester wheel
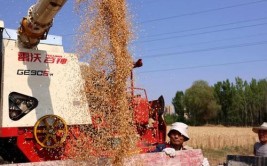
[[50, 131]]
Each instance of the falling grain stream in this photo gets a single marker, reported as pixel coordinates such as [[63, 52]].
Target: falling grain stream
[[105, 34]]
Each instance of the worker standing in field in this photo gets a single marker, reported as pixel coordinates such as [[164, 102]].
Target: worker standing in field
[[260, 148], [178, 135]]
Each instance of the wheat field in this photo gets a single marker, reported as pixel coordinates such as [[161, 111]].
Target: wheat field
[[217, 137]]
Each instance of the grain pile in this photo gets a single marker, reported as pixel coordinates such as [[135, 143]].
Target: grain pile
[[106, 33]]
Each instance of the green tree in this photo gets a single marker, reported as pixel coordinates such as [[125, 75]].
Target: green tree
[[223, 92], [242, 103], [262, 89], [200, 103], [257, 101], [178, 103], [238, 109]]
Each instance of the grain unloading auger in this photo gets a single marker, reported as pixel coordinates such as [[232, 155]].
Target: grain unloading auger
[[36, 25], [41, 93]]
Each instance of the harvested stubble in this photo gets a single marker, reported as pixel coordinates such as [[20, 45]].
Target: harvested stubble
[[106, 33]]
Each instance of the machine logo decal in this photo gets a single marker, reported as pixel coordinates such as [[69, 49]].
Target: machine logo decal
[[36, 57], [34, 72]]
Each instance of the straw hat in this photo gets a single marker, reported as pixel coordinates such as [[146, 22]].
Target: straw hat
[[180, 127], [262, 127]]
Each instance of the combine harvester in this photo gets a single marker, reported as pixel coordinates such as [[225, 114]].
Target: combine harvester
[[41, 95]]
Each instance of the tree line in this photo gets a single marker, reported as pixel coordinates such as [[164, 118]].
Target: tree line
[[238, 103]]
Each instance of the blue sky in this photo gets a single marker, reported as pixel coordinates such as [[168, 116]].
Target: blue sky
[[180, 41]]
